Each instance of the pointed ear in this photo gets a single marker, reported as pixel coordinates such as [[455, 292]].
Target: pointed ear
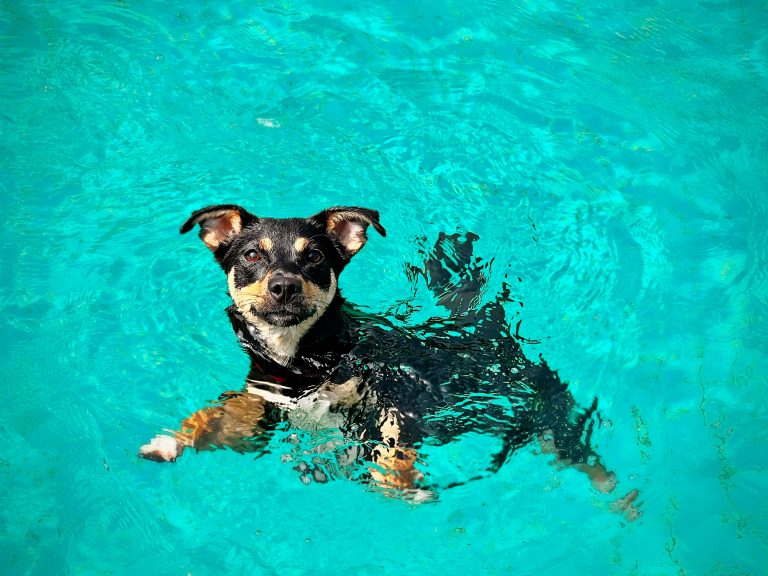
[[218, 224], [347, 225]]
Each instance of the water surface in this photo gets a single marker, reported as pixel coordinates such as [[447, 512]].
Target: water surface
[[611, 155]]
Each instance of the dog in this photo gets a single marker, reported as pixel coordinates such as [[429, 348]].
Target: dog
[[318, 363]]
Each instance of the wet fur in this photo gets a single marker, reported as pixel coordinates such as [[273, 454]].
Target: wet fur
[[318, 363]]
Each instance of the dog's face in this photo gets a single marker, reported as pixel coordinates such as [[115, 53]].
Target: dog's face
[[282, 273]]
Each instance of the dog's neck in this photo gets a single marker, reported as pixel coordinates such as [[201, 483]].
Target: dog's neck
[[298, 349]]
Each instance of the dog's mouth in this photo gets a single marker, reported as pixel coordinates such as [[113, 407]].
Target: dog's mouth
[[283, 316]]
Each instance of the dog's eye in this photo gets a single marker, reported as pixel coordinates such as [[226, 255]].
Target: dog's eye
[[314, 256], [252, 256]]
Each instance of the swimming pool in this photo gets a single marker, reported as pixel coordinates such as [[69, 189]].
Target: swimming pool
[[611, 155]]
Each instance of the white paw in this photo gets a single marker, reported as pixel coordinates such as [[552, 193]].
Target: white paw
[[419, 495], [161, 449]]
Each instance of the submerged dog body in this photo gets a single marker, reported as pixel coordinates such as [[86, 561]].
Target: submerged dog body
[[318, 363]]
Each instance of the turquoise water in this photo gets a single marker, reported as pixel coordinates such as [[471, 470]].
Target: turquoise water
[[611, 155]]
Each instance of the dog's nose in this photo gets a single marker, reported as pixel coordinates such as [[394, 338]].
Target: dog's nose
[[284, 287]]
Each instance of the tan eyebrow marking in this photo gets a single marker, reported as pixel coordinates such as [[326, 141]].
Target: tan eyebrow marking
[[301, 244], [265, 244]]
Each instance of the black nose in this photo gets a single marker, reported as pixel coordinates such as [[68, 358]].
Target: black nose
[[284, 287]]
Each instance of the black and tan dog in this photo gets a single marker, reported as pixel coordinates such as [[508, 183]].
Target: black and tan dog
[[318, 363]]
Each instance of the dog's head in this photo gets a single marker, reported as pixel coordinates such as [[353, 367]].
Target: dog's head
[[282, 272]]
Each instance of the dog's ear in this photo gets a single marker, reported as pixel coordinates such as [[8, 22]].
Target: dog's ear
[[347, 226], [218, 224]]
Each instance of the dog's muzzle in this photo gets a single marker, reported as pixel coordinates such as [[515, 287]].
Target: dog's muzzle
[[283, 287]]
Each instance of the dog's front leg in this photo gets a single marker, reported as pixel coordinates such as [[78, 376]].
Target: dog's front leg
[[233, 422], [395, 463]]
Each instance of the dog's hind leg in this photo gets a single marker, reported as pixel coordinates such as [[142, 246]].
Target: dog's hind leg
[[235, 421], [579, 456], [568, 436]]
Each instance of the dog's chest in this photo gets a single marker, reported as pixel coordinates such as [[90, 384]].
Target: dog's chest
[[320, 409]]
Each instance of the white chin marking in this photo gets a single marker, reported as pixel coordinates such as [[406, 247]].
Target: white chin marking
[[283, 341]]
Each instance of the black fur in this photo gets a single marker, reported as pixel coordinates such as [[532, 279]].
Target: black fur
[[437, 374], [447, 377]]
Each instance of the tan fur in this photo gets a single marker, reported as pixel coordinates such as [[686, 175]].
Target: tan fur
[[355, 245], [237, 420], [266, 244], [301, 244], [227, 226], [395, 464], [281, 341], [314, 293], [248, 295], [230, 424], [353, 237]]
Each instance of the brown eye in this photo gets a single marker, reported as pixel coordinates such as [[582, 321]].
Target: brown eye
[[314, 256], [252, 256]]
